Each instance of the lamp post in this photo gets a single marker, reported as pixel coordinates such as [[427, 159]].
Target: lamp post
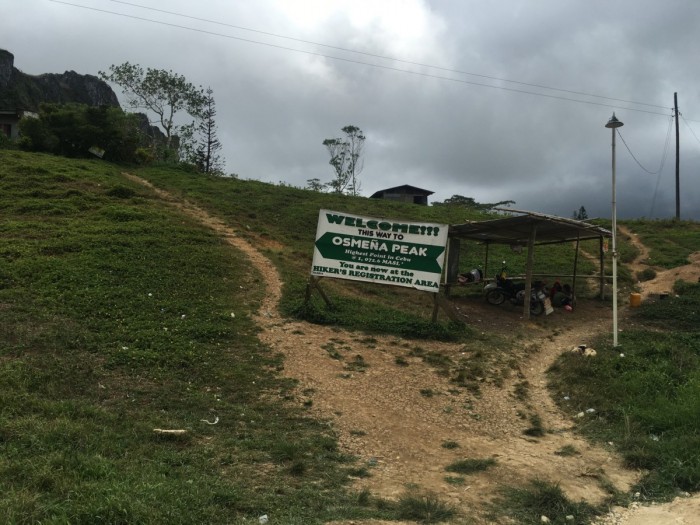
[[613, 124]]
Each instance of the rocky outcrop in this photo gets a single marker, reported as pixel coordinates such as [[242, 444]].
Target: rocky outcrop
[[72, 87], [25, 92], [6, 65], [20, 92]]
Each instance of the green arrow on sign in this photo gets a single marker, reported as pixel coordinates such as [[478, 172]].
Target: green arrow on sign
[[410, 256]]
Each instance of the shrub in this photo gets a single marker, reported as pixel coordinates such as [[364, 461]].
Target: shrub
[[646, 275], [542, 498], [535, 429], [424, 509], [470, 466]]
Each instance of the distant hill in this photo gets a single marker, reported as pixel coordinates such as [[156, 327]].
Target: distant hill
[[19, 91]]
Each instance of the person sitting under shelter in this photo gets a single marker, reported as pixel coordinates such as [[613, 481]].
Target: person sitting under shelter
[[561, 295]]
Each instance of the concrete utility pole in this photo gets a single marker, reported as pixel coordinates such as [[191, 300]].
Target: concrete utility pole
[[613, 124], [678, 164]]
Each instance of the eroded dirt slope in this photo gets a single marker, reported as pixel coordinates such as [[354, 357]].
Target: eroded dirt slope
[[663, 282]]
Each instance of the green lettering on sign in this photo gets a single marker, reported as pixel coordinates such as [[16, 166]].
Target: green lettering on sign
[[382, 252]]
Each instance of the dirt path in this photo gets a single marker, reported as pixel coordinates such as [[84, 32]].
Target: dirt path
[[663, 282], [397, 419]]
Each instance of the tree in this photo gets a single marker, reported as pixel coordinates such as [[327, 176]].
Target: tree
[[72, 130], [346, 159], [207, 156], [459, 200], [161, 92], [336, 151], [469, 202], [581, 214], [315, 184]]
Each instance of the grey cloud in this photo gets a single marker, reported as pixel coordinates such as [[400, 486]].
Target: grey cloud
[[275, 107]]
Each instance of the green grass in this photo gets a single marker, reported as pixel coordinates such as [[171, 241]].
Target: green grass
[[400, 361], [455, 480], [648, 402], [357, 364], [117, 319], [372, 317], [678, 311], [567, 451], [646, 275], [535, 429], [541, 498], [470, 466], [670, 241], [283, 220], [424, 508]]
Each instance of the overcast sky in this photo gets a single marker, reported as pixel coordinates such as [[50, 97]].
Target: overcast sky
[[491, 100]]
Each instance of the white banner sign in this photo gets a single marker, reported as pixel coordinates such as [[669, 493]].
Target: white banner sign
[[385, 251]]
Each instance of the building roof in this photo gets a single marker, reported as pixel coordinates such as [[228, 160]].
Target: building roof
[[516, 230], [407, 188]]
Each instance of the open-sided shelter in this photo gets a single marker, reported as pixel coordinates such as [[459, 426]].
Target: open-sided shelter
[[526, 229]]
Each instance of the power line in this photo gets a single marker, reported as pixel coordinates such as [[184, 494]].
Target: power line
[[663, 160], [384, 57], [663, 155], [351, 61], [653, 198], [691, 129]]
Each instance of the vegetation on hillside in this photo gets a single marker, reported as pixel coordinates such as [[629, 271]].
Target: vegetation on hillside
[[79, 129], [162, 93], [121, 316], [346, 159], [72, 130], [645, 393], [282, 220], [670, 241]]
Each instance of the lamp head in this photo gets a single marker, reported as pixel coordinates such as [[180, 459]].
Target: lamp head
[[614, 123]]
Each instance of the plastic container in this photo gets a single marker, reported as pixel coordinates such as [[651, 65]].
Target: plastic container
[[635, 300]]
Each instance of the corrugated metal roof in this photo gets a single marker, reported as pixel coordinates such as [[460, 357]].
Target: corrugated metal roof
[[516, 230]]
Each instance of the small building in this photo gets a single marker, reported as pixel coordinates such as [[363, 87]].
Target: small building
[[405, 193], [9, 121]]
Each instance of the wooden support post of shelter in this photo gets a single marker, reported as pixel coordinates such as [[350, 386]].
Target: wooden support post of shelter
[[486, 261], [573, 283], [452, 267], [528, 270], [451, 274], [602, 269]]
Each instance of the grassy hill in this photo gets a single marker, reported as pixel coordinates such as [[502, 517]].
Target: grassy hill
[[282, 221], [120, 315]]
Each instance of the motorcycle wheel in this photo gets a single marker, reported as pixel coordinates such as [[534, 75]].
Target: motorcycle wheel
[[495, 297], [536, 307]]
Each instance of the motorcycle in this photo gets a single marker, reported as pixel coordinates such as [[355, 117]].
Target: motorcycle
[[503, 289]]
